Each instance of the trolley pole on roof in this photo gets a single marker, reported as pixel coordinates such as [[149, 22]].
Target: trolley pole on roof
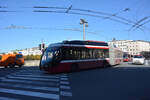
[[85, 24]]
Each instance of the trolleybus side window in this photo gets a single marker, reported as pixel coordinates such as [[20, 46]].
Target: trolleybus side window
[[84, 53], [106, 53]]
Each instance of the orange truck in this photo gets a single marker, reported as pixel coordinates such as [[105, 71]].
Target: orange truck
[[11, 60]]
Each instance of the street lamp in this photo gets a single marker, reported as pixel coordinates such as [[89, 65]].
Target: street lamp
[[85, 24]]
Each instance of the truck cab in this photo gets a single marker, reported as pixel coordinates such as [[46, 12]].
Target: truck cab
[[11, 60]]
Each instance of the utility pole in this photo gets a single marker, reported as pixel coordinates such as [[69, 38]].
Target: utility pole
[[85, 24], [83, 31]]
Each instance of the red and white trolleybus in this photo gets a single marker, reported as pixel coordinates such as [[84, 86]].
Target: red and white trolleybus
[[74, 55]]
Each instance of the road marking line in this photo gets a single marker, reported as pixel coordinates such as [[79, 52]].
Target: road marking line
[[33, 79], [63, 93], [30, 87], [29, 82], [29, 93], [38, 76], [63, 76], [64, 82], [65, 79], [65, 87], [5, 98], [2, 78]]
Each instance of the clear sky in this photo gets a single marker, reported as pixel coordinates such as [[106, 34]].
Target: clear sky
[[25, 29]]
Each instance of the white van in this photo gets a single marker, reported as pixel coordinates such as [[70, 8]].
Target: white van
[[138, 59]]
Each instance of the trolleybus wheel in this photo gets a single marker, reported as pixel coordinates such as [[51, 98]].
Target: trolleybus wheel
[[74, 67]]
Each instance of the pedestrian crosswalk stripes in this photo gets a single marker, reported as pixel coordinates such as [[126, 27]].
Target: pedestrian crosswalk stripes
[[64, 82], [30, 87], [36, 76], [63, 76], [30, 82], [64, 79], [34, 83], [65, 87], [64, 93], [5, 98], [30, 93], [34, 79]]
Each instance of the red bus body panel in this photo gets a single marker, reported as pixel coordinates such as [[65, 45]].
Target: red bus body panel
[[66, 67]]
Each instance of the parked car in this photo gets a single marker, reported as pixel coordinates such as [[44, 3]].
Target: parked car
[[125, 59], [138, 59]]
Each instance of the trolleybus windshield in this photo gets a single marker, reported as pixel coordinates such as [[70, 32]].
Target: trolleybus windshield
[[19, 56], [49, 54]]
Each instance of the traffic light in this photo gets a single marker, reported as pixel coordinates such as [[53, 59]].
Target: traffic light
[[41, 46]]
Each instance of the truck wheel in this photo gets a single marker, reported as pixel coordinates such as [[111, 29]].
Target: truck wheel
[[20, 66], [11, 65]]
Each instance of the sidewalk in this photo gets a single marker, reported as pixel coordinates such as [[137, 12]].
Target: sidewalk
[[32, 63]]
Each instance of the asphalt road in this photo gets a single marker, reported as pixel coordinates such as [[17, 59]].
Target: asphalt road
[[6, 71], [123, 82]]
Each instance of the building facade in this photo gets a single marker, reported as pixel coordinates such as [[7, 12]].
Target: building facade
[[31, 51], [28, 51], [132, 47]]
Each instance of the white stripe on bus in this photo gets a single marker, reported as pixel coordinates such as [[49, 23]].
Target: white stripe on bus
[[72, 45], [107, 58], [83, 60], [30, 87], [33, 79], [29, 93], [75, 45]]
